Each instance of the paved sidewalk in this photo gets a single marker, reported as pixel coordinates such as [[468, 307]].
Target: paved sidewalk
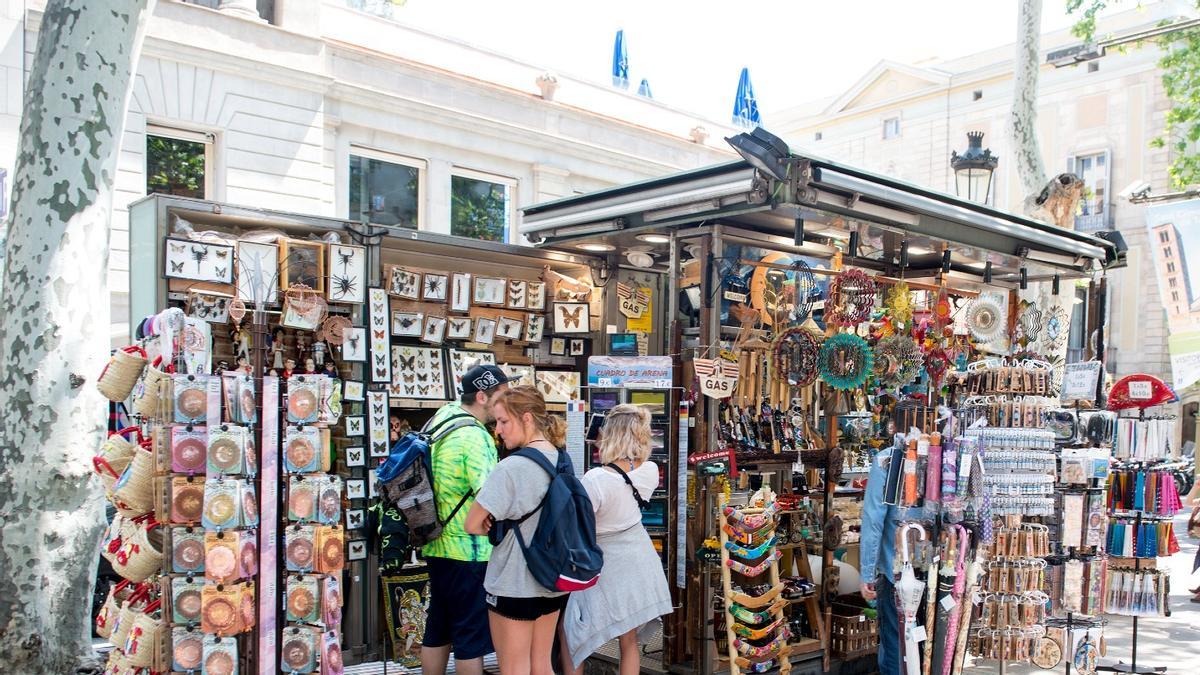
[[1172, 641]]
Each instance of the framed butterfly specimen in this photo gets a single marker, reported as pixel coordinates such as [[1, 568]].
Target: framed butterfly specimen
[[257, 270], [356, 549], [520, 375], [463, 360], [558, 386], [355, 425], [535, 295], [355, 456], [379, 325], [535, 327], [405, 284], [509, 328], [352, 390], [518, 294], [302, 262], [418, 372], [460, 292], [407, 324], [571, 317], [378, 405], [355, 346], [558, 346], [435, 329], [489, 291], [458, 328], [197, 261], [485, 331], [577, 347], [434, 287], [356, 489], [347, 274]]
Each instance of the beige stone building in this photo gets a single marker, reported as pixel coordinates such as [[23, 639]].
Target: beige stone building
[[1095, 119]]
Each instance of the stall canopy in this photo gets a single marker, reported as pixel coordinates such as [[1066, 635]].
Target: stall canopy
[[823, 203]]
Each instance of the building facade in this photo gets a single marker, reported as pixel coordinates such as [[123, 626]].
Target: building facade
[[1095, 120], [319, 107]]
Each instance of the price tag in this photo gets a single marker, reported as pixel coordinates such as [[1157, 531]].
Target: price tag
[[734, 297], [918, 633], [605, 382], [948, 603], [1140, 391]]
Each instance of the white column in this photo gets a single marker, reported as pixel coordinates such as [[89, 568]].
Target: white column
[[243, 9], [437, 196]]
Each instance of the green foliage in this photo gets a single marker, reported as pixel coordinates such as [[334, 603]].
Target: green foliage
[[174, 167], [1180, 67], [478, 209]]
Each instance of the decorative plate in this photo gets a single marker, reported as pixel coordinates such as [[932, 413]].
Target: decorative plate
[[219, 663], [187, 504], [851, 297], [225, 454], [187, 605], [300, 603], [189, 555], [220, 509], [300, 453], [1047, 653], [193, 403], [300, 553], [845, 361], [187, 652], [985, 318], [302, 404], [189, 455], [220, 563], [221, 615]]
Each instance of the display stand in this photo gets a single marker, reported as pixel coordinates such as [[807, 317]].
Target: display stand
[[738, 663]]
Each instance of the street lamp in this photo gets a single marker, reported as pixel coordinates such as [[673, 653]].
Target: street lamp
[[973, 169]]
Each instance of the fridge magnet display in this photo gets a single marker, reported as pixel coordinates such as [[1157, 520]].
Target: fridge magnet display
[[347, 273], [405, 284], [461, 361], [355, 425], [257, 272], [417, 372], [303, 398], [352, 390], [571, 317], [558, 346], [509, 328], [355, 456], [434, 287], [458, 328], [356, 489], [518, 293], [558, 386], [520, 375], [577, 347], [535, 327], [535, 296], [460, 292], [379, 321], [485, 331], [302, 262], [489, 291], [197, 261], [407, 324], [435, 330]]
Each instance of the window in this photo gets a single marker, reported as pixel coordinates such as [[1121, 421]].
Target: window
[[891, 127], [977, 94], [1093, 170], [1093, 67], [817, 136], [1166, 251], [1163, 236], [480, 206], [385, 189], [1175, 296], [178, 162], [1172, 282], [1171, 267]]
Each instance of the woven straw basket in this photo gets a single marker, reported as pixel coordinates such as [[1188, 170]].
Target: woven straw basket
[[133, 493], [122, 372], [141, 553], [114, 455], [145, 636], [148, 397]]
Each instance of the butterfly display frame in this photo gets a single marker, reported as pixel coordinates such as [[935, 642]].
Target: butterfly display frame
[[462, 360], [460, 292], [520, 375], [509, 328], [558, 346], [352, 390], [571, 318], [435, 287], [490, 291], [418, 372], [578, 345], [459, 328], [405, 283], [558, 386], [379, 322], [197, 260], [257, 269], [347, 270], [408, 324], [302, 262], [434, 332], [518, 294], [535, 296], [535, 327]]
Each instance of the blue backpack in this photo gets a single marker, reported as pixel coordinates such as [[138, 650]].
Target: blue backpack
[[562, 555]]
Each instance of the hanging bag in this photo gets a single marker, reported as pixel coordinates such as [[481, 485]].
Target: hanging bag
[[118, 593], [133, 493], [114, 455], [149, 395], [117, 379], [145, 635], [125, 618], [141, 553]]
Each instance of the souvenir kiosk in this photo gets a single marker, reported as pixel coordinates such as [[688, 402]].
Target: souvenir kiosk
[[814, 309]]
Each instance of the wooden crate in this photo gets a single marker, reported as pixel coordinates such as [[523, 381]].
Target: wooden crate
[[851, 634]]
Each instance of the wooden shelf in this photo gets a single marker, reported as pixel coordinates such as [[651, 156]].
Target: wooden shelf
[[788, 547], [805, 646]]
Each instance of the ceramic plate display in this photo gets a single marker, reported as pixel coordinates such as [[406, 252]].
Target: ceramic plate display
[[185, 596], [301, 499], [489, 291], [435, 330], [187, 647], [405, 284], [301, 598], [187, 553], [303, 397], [187, 499], [191, 398], [222, 504], [571, 317], [458, 328], [509, 328], [407, 324], [329, 500], [197, 261], [460, 292], [298, 547], [301, 449], [299, 652], [461, 361], [220, 656], [418, 372], [535, 327], [434, 287], [347, 273], [189, 449], [518, 294], [226, 449], [558, 386], [221, 559]]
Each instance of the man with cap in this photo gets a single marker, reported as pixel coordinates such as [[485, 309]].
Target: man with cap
[[462, 459]]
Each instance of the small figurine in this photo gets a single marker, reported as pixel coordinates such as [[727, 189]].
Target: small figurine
[[330, 370], [277, 348], [289, 366], [240, 337], [395, 422], [243, 364], [310, 368], [318, 352]]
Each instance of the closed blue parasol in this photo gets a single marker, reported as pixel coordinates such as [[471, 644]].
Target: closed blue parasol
[[644, 89], [745, 107], [620, 67]]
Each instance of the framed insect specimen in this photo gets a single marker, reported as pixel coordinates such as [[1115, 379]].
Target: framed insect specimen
[[377, 422], [352, 390], [535, 326], [462, 360], [577, 347], [433, 287], [558, 346], [356, 456], [197, 261], [418, 372], [489, 291], [356, 489], [509, 328], [257, 272], [407, 324], [302, 262], [405, 284], [520, 375], [212, 307], [460, 292], [354, 348], [347, 273], [485, 331], [571, 317], [458, 328], [356, 549], [535, 292], [355, 425], [558, 386], [518, 293], [435, 329]]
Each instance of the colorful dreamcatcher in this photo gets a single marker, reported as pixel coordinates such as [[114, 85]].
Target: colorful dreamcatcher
[[898, 360], [1029, 323], [937, 361], [796, 351], [943, 311], [899, 303], [851, 296], [985, 318], [845, 361], [1058, 326]]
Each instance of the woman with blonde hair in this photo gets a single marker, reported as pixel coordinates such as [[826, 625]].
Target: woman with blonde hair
[[522, 613], [632, 592]]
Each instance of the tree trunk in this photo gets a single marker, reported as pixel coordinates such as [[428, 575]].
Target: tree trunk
[[54, 317], [1023, 121]]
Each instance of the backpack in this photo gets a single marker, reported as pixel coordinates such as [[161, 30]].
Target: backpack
[[406, 479], [562, 555]]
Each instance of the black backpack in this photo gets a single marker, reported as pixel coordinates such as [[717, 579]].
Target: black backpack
[[563, 554]]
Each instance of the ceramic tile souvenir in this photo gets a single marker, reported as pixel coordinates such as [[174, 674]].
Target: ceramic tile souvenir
[[227, 449], [302, 598], [222, 504], [460, 292], [187, 550], [220, 655], [221, 562], [571, 317], [303, 399], [347, 273], [187, 499], [462, 360], [489, 291], [191, 398], [185, 597], [257, 267], [380, 336], [418, 372], [458, 328], [299, 547], [197, 261], [302, 449], [189, 449], [405, 284]]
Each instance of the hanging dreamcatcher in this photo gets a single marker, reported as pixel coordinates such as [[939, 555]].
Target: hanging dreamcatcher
[[943, 311], [898, 361], [985, 318], [851, 296], [1057, 327], [303, 308], [937, 361], [845, 361], [796, 351], [1029, 323], [899, 303]]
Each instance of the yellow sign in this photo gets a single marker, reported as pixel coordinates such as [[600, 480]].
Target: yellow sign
[[645, 322]]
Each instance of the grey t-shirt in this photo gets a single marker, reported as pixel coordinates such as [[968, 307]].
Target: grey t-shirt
[[514, 488]]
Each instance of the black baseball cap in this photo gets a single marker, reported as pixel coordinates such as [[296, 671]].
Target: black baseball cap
[[483, 377]]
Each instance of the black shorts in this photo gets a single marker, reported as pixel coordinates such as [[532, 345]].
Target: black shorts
[[457, 614], [526, 609]]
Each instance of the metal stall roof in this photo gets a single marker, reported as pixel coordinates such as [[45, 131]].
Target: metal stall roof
[[833, 200]]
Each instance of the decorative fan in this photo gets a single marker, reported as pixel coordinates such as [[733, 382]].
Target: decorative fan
[[851, 296], [1140, 391], [334, 330], [1029, 322], [985, 318], [899, 303], [1058, 326], [898, 360], [796, 351], [845, 361]]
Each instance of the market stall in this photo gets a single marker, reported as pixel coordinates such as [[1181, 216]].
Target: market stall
[[815, 312]]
